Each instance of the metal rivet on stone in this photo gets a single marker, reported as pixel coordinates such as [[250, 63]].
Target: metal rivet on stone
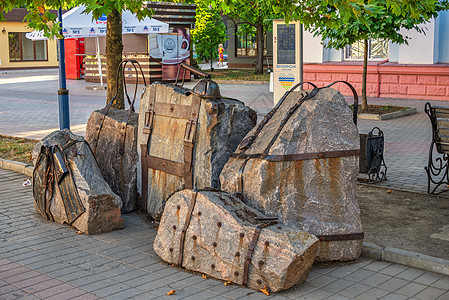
[[199, 214], [236, 273], [193, 257], [267, 243], [259, 282], [178, 207], [171, 249], [194, 237], [174, 227], [214, 244], [237, 254], [261, 263], [212, 266], [219, 224], [242, 234], [279, 227]]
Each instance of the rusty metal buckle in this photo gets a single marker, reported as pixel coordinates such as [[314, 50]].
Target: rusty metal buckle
[[189, 135], [149, 115]]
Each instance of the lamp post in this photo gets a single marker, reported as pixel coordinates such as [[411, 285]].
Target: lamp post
[[63, 92]]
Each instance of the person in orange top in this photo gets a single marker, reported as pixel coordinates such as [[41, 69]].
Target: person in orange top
[[220, 55]]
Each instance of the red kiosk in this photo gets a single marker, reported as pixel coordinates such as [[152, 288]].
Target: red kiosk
[[74, 54]]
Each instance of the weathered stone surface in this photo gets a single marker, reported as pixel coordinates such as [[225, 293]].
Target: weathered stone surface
[[102, 206], [222, 123], [282, 257], [316, 195], [119, 171]]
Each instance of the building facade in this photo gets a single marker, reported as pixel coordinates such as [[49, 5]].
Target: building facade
[[419, 70], [20, 52]]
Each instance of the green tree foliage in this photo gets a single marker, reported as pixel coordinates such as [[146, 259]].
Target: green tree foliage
[[39, 17], [253, 17], [209, 30], [344, 22]]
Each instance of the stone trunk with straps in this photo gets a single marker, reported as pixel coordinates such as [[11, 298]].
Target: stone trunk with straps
[[112, 136], [68, 187], [300, 164], [119, 168], [216, 234], [184, 140]]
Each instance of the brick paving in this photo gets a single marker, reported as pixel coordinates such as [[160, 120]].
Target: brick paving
[[40, 259]]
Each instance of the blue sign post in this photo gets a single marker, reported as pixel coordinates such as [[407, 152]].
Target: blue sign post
[[63, 92]]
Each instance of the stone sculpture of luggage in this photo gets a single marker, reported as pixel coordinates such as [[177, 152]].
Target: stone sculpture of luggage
[[185, 138], [300, 164], [112, 136], [68, 187], [217, 234]]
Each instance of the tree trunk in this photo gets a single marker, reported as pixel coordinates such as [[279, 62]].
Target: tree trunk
[[114, 48], [260, 46], [365, 69]]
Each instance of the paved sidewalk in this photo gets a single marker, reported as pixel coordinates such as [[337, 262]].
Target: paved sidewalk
[[44, 260]]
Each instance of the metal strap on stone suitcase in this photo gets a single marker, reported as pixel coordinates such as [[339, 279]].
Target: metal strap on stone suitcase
[[247, 142], [53, 168], [178, 111], [121, 69]]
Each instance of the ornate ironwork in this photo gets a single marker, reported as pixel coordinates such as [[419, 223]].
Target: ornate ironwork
[[372, 160], [437, 168]]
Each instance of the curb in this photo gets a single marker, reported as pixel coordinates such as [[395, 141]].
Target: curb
[[241, 82], [389, 116], [407, 258], [389, 254], [20, 167]]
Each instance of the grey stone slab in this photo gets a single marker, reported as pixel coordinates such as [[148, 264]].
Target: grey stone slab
[[126, 294], [394, 296], [428, 278], [113, 289], [430, 293], [355, 290], [442, 283], [337, 285], [372, 294], [359, 275], [393, 284], [376, 279], [411, 289], [410, 274], [321, 281]]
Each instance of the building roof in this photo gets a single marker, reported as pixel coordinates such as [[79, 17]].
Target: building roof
[[18, 14]]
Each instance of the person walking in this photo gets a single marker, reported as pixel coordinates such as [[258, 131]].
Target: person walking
[[220, 55]]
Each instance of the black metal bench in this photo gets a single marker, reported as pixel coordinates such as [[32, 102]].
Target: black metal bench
[[437, 168]]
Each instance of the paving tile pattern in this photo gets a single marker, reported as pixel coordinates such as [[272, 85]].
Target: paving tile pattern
[[40, 259]]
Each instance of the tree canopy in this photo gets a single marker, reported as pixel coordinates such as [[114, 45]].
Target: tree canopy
[[209, 30], [253, 17], [40, 17]]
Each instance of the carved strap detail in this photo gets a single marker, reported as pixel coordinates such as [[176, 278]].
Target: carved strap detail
[[270, 221], [299, 156], [184, 169], [186, 226]]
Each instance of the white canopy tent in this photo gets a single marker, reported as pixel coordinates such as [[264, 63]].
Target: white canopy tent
[[77, 24]]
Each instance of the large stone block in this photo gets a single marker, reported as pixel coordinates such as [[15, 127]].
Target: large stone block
[[101, 205], [221, 125], [317, 192], [118, 169], [218, 237]]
